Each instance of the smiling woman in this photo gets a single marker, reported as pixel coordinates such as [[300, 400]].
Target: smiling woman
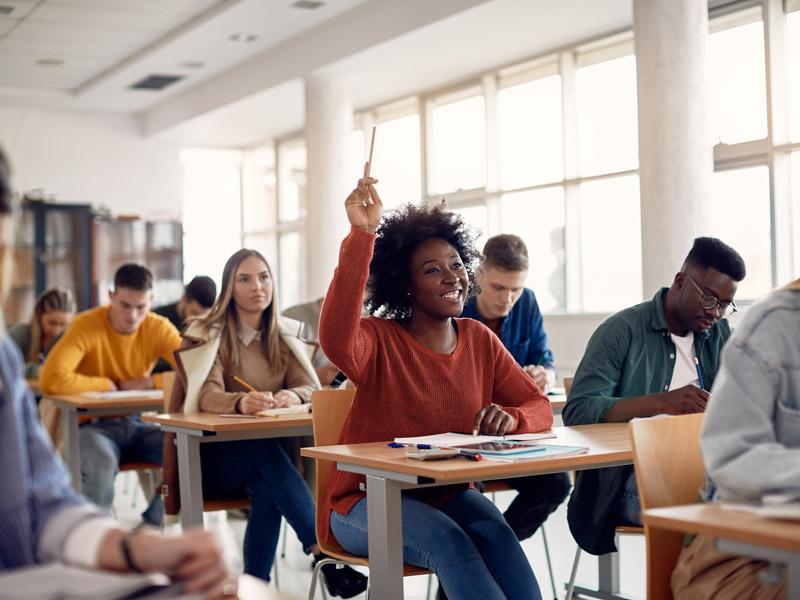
[[418, 370]]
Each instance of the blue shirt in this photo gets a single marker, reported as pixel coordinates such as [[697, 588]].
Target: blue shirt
[[522, 330]]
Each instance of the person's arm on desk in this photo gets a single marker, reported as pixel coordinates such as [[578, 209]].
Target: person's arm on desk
[[58, 374]]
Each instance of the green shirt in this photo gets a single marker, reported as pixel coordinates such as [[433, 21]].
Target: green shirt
[[632, 354]]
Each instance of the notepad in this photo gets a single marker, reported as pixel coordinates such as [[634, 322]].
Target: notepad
[[446, 440], [295, 409], [123, 394]]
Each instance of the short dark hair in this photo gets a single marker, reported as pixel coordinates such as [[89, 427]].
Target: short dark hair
[[709, 252], [202, 290], [133, 277], [6, 193], [507, 252], [399, 234]]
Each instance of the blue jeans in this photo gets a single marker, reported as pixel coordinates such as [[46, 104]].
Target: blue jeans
[[260, 470], [106, 443], [466, 542], [630, 508]]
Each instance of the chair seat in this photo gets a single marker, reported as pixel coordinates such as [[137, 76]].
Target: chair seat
[[498, 485], [138, 466], [226, 504], [629, 530], [408, 570]]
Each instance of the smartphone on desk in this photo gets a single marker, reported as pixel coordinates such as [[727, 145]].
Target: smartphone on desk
[[432, 454]]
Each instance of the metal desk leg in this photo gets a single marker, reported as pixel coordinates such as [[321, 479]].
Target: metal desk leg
[[608, 573], [384, 523], [793, 581], [191, 480], [72, 447]]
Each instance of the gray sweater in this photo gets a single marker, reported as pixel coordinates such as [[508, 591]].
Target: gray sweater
[[751, 433]]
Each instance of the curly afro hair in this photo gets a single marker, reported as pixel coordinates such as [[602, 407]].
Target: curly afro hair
[[398, 236]]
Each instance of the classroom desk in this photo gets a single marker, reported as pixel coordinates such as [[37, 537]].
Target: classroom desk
[[557, 401], [388, 472], [193, 429], [739, 533], [74, 407], [33, 385]]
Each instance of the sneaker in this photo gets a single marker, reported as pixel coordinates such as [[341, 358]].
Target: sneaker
[[343, 581]]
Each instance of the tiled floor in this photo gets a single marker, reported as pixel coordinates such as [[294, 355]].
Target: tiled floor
[[294, 571]]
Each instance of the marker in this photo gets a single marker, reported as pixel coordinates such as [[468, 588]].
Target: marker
[[472, 456], [699, 373]]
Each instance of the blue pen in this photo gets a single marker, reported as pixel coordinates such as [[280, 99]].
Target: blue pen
[[424, 446], [396, 445], [699, 373]]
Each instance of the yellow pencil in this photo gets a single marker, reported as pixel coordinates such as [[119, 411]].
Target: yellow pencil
[[243, 383]]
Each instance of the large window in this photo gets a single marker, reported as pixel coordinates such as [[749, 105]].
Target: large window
[[737, 81], [793, 68], [396, 160], [530, 130], [458, 146]]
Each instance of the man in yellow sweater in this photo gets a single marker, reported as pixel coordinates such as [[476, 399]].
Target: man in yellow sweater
[[114, 347]]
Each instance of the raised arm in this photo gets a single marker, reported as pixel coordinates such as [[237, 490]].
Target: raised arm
[[345, 338], [59, 373]]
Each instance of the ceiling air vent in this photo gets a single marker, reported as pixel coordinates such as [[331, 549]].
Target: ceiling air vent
[[156, 82], [308, 4], [6, 10]]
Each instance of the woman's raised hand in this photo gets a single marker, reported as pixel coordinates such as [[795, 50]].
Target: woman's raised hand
[[363, 205]]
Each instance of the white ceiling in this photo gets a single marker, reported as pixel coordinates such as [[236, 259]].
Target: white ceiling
[[107, 45], [246, 93]]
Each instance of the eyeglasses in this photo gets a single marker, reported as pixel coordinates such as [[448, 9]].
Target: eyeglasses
[[709, 301]]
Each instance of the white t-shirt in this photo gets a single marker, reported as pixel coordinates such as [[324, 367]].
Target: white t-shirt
[[685, 371]]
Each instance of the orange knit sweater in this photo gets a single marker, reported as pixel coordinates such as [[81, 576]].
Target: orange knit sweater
[[405, 389]]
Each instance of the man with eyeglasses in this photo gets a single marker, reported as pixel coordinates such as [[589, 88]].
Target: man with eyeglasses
[[658, 357]]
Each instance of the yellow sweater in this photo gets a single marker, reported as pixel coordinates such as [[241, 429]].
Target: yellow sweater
[[91, 354]]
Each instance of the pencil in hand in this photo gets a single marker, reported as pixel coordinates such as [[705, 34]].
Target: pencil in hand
[[244, 384]]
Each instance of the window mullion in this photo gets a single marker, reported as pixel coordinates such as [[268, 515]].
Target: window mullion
[[572, 242]]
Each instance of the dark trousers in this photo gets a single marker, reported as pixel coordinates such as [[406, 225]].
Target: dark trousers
[[539, 495]]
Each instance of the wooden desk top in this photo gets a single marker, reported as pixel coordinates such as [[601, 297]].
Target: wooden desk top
[[33, 385], [205, 421], [85, 402], [608, 443], [710, 519]]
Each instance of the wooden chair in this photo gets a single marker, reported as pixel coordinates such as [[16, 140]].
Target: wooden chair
[[567, 384], [669, 472], [149, 472], [329, 409]]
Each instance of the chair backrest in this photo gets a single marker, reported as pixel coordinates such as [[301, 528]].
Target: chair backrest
[[167, 383], [669, 472], [567, 384], [329, 409]]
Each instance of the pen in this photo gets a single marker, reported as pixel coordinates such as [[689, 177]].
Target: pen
[[237, 416], [243, 383], [472, 456], [699, 373], [396, 445]]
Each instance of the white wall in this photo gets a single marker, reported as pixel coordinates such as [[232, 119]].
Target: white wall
[[101, 159], [567, 336]]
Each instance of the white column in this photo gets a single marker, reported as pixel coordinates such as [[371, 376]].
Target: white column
[[675, 153], [329, 125]]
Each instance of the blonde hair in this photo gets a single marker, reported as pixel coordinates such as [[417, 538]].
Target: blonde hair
[[56, 298], [223, 315]]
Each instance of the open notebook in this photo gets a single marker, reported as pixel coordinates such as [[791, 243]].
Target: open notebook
[[447, 440], [123, 394], [296, 409]]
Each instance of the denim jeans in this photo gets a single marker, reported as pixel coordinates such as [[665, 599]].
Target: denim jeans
[[539, 495], [629, 507], [466, 542], [260, 470], [106, 443]]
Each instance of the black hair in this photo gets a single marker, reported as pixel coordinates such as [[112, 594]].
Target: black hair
[[709, 252], [202, 290], [6, 193], [134, 277], [399, 234]]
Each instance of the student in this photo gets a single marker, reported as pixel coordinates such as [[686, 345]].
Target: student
[[418, 370], [42, 518], [243, 339], [641, 362], [510, 310], [52, 312], [750, 442], [108, 348], [198, 298], [308, 314]]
